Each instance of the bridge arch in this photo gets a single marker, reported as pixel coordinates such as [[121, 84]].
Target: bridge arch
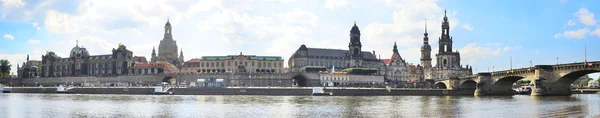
[[504, 84], [440, 85], [468, 85], [300, 80], [565, 81]]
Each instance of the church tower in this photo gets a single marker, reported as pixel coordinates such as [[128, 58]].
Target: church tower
[[153, 58], [426, 50], [355, 46], [181, 56], [445, 40], [167, 49]]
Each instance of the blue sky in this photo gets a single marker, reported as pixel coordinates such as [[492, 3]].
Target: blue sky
[[486, 33]]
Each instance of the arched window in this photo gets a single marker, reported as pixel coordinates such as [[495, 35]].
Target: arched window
[[445, 61]]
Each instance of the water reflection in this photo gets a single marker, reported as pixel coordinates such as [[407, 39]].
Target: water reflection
[[74, 105]]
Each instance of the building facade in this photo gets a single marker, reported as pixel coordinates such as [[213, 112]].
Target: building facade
[[395, 69], [235, 63], [354, 57], [29, 69], [167, 49], [81, 63], [447, 61]]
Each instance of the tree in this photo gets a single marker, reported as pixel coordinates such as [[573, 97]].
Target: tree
[[523, 81], [584, 82], [4, 67]]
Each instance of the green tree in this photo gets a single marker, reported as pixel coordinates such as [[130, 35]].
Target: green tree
[[4, 67], [523, 82], [584, 82]]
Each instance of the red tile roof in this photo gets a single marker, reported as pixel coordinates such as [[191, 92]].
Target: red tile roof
[[386, 61]]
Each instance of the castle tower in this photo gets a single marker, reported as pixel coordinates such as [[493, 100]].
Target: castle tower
[[426, 50], [355, 46]]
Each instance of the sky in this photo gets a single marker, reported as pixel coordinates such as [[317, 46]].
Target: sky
[[486, 33]]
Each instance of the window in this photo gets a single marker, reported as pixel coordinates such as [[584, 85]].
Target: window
[[222, 64], [252, 63], [202, 63], [228, 63], [269, 65], [245, 63], [259, 65], [236, 64], [274, 64], [217, 64], [264, 64]]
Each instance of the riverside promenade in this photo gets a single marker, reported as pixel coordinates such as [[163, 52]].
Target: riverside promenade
[[288, 91]]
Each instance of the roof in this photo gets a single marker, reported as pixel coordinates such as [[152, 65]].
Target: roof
[[386, 61], [336, 53], [249, 57], [146, 65]]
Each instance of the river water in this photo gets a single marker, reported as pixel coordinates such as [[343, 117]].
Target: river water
[[18, 105]]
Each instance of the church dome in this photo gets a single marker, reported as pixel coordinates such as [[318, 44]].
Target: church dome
[[426, 47], [168, 23], [78, 52]]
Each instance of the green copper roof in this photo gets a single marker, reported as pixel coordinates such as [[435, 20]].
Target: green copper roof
[[249, 57]]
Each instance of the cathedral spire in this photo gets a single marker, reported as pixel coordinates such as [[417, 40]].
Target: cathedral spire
[[153, 51], [395, 48]]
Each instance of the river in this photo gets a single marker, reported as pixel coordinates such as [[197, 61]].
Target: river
[[17, 105]]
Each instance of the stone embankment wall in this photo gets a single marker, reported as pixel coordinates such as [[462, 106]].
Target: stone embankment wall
[[250, 91]]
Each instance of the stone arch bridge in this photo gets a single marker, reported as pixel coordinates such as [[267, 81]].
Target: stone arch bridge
[[546, 79]]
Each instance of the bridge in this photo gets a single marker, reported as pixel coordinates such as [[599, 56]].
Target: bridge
[[552, 80]]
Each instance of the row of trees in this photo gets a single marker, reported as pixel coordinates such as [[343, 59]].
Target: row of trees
[[585, 82], [4, 67]]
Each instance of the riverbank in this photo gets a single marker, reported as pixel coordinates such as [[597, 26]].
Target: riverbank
[[272, 91], [286, 91]]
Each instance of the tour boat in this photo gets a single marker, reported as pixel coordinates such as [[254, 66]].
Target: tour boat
[[5, 89], [61, 89], [524, 90], [163, 91], [318, 91]]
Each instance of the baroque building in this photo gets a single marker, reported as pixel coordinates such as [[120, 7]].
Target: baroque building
[[395, 69], [81, 63], [354, 57], [167, 49], [29, 69], [447, 61], [234, 63]]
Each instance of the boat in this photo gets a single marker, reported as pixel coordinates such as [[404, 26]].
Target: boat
[[61, 89], [524, 90], [318, 91], [163, 90], [5, 89]]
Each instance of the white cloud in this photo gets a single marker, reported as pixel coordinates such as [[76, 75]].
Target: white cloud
[[558, 35], [577, 34], [31, 41], [9, 37], [35, 25], [472, 52], [571, 23], [596, 32], [331, 4], [585, 16], [12, 3], [468, 27]]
